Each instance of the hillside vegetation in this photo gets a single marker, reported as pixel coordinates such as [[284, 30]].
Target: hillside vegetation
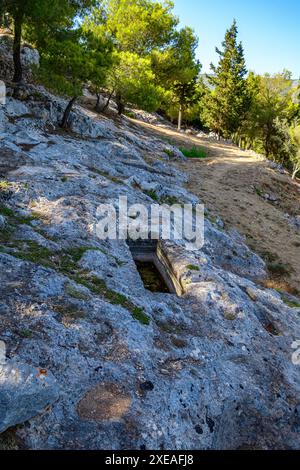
[[135, 52]]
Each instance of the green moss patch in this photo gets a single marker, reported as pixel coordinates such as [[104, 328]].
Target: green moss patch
[[15, 219], [288, 302], [26, 333], [193, 267], [75, 293], [98, 287], [6, 211], [106, 175], [139, 315], [67, 264], [278, 269], [152, 194], [170, 200], [194, 152]]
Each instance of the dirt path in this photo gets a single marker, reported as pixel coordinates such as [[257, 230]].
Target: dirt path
[[232, 184]]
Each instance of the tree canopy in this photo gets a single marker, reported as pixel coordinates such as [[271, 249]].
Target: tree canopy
[[36, 17]]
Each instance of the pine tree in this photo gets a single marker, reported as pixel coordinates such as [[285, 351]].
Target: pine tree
[[177, 70], [188, 68], [137, 28], [228, 100], [71, 58], [38, 15], [133, 82]]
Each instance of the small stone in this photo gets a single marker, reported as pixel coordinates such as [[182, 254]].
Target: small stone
[[230, 315], [251, 293]]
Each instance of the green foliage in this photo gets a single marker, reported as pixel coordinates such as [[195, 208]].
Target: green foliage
[[6, 211], [193, 267], [290, 303], [4, 185], [100, 47], [70, 55], [37, 14], [295, 156], [98, 287], [26, 333], [134, 82], [177, 70], [34, 253], [269, 126], [169, 200], [139, 26], [194, 152], [278, 269], [139, 315], [71, 58], [75, 293], [64, 65], [280, 146], [226, 103], [152, 194], [36, 19]]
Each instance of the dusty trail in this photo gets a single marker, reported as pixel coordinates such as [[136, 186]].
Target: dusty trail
[[232, 184]]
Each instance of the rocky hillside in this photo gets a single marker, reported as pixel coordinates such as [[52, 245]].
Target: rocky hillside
[[90, 359]]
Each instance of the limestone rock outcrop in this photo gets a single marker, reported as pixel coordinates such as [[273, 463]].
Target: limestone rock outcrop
[[122, 367]]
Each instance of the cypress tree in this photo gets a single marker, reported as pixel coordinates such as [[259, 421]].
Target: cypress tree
[[228, 100]]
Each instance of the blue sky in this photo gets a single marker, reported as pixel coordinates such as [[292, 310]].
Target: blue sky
[[269, 30]]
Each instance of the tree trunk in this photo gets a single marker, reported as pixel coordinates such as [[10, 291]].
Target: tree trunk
[[179, 118], [107, 101], [266, 148], [120, 105], [65, 120], [295, 172], [18, 75], [98, 101]]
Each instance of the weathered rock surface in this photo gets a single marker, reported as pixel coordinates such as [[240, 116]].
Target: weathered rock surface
[[211, 369], [29, 57], [25, 391], [2, 93]]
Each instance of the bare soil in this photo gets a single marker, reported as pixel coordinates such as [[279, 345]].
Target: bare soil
[[232, 184]]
